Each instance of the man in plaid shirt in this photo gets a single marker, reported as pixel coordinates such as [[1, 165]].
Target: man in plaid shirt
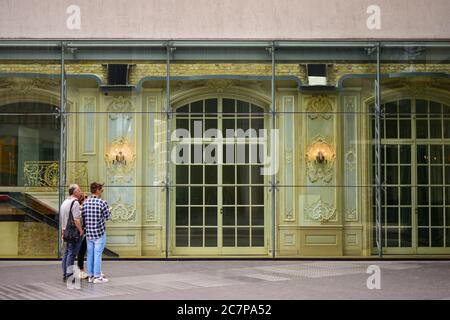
[[95, 212]]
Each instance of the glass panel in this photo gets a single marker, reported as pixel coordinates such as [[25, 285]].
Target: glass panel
[[436, 175], [257, 237], [422, 174], [435, 129], [243, 237], [422, 154], [182, 216], [391, 154], [196, 216], [196, 174], [243, 216], [436, 154], [196, 237], [437, 237], [210, 237], [391, 129], [405, 216], [392, 237], [437, 217], [211, 216], [422, 129], [196, 195], [182, 174], [405, 154], [258, 216], [423, 237], [421, 108], [423, 216], [391, 175], [229, 216], [211, 195], [406, 237], [182, 237], [229, 237], [422, 196], [405, 129]]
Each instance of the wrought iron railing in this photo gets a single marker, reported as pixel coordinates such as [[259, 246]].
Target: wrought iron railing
[[43, 176]]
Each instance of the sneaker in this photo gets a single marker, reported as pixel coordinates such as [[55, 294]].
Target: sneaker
[[100, 280], [91, 279], [83, 275]]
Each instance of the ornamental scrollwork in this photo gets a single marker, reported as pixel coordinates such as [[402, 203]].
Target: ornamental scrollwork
[[120, 105], [122, 212], [320, 211], [319, 106]]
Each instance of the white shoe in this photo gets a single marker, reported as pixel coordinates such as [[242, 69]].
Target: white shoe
[[83, 275], [100, 280], [91, 279]]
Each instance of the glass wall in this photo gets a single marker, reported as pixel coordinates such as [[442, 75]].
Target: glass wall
[[415, 140], [230, 149], [30, 149]]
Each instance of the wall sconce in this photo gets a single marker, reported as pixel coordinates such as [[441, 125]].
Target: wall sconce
[[119, 158], [321, 157]]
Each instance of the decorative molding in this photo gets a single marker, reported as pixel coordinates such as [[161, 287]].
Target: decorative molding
[[350, 159], [89, 130], [121, 104], [289, 214], [25, 85], [121, 240], [219, 85], [319, 106], [350, 103], [351, 215], [288, 123], [289, 239], [320, 172], [151, 214], [320, 211], [151, 239], [289, 157], [121, 212]]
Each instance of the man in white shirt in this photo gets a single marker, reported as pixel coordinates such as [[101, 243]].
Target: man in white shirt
[[72, 247]]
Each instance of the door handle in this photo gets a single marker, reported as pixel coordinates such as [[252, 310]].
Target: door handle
[[221, 210]]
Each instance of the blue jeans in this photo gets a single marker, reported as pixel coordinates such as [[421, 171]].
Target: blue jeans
[[94, 256], [68, 258]]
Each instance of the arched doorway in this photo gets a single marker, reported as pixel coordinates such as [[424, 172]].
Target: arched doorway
[[29, 131], [220, 198], [415, 161]]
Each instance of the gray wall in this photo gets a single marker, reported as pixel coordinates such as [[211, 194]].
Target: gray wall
[[226, 19]]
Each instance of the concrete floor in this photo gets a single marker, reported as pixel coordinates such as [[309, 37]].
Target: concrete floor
[[231, 280]]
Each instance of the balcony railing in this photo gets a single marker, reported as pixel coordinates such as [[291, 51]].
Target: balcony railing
[[43, 176]]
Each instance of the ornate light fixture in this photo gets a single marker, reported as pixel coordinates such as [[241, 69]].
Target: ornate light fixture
[[120, 159], [320, 157]]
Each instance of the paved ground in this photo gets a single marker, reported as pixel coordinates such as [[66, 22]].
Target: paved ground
[[280, 280]]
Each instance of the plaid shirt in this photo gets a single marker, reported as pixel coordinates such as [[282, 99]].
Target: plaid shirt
[[95, 212]]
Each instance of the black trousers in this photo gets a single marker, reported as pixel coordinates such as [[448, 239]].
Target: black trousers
[[82, 253]]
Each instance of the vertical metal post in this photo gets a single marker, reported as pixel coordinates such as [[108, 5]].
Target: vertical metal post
[[378, 182], [62, 142], [274, 155], [168, 121]]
